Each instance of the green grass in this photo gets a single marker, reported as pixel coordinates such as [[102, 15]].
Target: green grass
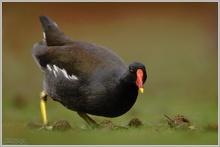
[[155, 129], [149, 134], [177, 44]]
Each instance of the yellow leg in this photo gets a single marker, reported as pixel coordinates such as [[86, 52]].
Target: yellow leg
[[43, 100]]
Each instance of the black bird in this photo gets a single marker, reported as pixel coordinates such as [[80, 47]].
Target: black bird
[[85, 77]]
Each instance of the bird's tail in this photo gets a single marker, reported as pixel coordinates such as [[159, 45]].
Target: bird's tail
[[52, 34]]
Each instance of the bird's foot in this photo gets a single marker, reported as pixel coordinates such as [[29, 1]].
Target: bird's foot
[[89, 120], [46, 127], [38, 126], [60, 125]]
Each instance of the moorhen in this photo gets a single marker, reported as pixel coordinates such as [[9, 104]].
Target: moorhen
[[85, 77]]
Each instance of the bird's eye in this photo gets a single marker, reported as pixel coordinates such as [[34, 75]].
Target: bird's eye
[[131, 71]]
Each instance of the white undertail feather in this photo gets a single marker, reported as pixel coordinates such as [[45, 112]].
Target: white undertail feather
[[56, 71], [44, 35]]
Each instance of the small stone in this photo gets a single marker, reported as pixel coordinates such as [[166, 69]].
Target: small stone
[[61, 125], [192, 127], [135, 122], [106, 125], [179, 121]]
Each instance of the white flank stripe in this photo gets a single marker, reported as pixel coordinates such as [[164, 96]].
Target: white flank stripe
[[65, 73], [55, 68], [56, 71], [73, 77], [48, 67]]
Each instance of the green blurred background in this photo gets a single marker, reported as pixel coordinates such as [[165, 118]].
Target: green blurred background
[[178, 43]]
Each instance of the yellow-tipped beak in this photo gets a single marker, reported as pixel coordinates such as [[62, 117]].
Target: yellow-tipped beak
[[141, 90]]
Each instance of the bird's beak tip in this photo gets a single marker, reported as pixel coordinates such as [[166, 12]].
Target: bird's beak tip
[[141, 90]]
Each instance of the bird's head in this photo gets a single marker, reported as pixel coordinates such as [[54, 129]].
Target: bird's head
[[138, 71]]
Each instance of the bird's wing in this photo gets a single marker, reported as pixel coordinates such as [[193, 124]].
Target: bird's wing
[[77, 57]]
